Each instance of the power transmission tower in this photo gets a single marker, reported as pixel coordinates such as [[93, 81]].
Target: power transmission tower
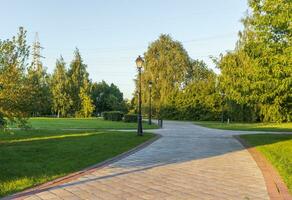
[[36, 52]]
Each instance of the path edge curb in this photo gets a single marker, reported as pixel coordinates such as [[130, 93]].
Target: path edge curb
[[276, 187], [87, 170]]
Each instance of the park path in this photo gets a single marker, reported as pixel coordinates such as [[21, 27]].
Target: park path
[[187, 162]]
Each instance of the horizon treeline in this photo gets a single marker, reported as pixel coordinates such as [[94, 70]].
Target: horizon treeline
[[26, 89], [255, 80]]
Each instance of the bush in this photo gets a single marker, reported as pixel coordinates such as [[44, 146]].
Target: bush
[[130, 118], [23, 123], [113, 115]]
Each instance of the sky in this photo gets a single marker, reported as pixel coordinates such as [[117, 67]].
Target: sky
[[110, 34]]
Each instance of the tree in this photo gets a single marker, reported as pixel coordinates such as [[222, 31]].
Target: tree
[[198, 100], [166, 65], [197, 70], [270, 23], [41, 95], [235, 82], [61, 101], [107, 98], [87, 106], [258, 74], [183, 88], [15, 92], [80, 86]]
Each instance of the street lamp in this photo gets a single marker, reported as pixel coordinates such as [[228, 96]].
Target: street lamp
[[150, 114], [222, 105], [139, 64]]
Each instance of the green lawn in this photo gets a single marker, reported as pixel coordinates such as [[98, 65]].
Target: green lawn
[[276, 127], [278, 150], [31, 157], [82, 123]]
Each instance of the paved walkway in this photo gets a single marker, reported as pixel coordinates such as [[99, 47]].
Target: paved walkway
[[187, 162]]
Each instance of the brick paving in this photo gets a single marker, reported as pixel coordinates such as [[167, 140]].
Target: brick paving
[[187, 162]]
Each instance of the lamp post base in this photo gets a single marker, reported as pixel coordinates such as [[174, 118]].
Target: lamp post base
[[139, 130]]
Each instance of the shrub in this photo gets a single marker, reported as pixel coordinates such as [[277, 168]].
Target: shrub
[[23, 123], [113, 115], [130, 118]]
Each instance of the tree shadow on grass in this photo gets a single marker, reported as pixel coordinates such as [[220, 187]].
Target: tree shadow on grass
[[46, 158]]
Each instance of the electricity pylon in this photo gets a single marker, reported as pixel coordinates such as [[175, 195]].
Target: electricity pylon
[[36, 52]]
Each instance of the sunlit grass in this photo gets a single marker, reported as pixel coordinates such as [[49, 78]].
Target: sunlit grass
[[278, 150], [277, 127], [31, 157], [48, 137], [81, 123]]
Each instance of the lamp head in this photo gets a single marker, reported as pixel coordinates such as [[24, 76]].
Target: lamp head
[[139, 62], [150, 84]]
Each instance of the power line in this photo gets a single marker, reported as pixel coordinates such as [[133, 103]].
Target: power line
[[210, 38], [136, 47]]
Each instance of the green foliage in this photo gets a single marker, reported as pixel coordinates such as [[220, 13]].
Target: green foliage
[[196, 71], [80, 87], [199, 100], [130, 118], [166, 65], [113, 115], [182, 88], [258, 74], [41, 95], [107, 98], [87, 106], [15, 90], [22, 123], [61, 101]]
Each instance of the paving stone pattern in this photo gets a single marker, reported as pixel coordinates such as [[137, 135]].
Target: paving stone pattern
[[187, 162]]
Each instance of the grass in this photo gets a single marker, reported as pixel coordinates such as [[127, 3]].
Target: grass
[[82, 123], [32, 157], [276, 127], [277, 148]]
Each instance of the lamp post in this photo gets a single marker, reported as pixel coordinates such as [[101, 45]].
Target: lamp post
[[150, 110], [139, 64], [222, 105]]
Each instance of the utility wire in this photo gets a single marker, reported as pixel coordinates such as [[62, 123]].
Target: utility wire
[[135, 48]]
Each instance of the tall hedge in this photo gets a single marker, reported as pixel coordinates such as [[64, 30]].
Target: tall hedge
[[113, 115]]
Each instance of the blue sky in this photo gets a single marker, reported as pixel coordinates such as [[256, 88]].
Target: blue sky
[[111, 34]]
